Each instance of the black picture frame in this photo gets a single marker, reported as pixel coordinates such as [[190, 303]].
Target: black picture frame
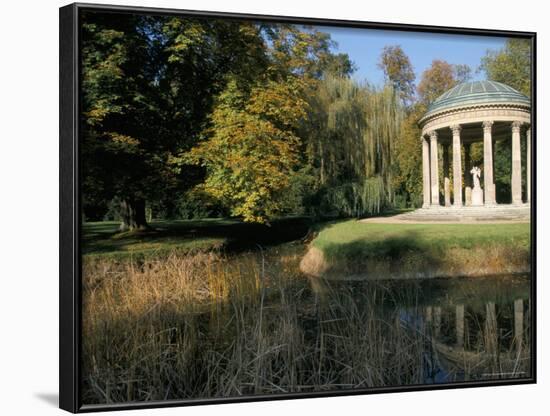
[[70, 202]]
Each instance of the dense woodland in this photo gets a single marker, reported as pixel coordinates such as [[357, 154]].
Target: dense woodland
[[191, 118]]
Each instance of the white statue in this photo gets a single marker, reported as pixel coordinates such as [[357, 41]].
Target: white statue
[[476, 173], [477, 192]]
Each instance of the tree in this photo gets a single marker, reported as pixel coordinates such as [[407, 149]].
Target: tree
[[437, 79], [407, 179], [252, 148], [510, 65], [338, 65], [462, 73], [117, 116], [398, 71], [148, 88]]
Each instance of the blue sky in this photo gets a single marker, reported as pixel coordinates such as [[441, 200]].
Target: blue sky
[[365, 45]]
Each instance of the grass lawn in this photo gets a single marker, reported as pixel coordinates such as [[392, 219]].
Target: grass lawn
[[453, 248], [104, 239], [164, 237], [378, 239]]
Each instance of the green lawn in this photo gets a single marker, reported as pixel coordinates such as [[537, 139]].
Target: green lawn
[[164, 237], [355, 239], [103, 238]]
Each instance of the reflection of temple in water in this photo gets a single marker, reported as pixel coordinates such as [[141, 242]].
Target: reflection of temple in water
[[436, 330], [492, 337]]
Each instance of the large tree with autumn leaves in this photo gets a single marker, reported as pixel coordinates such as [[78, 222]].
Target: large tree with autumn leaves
[[252, 147], [148, 88]]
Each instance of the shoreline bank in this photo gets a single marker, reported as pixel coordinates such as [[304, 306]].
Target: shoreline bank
[[359, 250]]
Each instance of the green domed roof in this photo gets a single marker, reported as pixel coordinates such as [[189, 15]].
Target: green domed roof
[[477, 93]]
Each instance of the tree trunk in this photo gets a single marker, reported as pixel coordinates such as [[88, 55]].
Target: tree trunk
[[133, 215]]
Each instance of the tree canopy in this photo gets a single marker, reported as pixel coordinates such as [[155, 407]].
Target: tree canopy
[[252, 147], [398, 71], [436, 80], [510, 65], [440, 77]]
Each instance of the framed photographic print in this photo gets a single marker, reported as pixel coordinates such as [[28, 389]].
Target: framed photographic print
[[261, 207]]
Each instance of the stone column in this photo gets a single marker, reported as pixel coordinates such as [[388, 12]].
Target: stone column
[[516, 163], [467, 176], [446, 175], [426, 172], [488, 181], [434, 168], [494, 151], [528, 140], [457, 166]]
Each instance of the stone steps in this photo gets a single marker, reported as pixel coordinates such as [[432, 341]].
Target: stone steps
[[463, 219], [473, 214]]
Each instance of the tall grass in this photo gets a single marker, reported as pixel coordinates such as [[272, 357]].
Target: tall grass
[[203, 325]]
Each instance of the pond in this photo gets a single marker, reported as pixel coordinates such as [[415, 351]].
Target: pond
[[394, 332], [273, 330]]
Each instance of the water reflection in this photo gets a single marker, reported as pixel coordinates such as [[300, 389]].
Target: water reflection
[[469, 328]]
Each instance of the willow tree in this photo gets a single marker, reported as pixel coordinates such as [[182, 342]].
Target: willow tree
[[351, 131]]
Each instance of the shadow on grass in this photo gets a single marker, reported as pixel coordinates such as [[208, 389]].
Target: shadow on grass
[[326, 222], [231, 235], [391, 248], [415, 252], [396, 255]]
